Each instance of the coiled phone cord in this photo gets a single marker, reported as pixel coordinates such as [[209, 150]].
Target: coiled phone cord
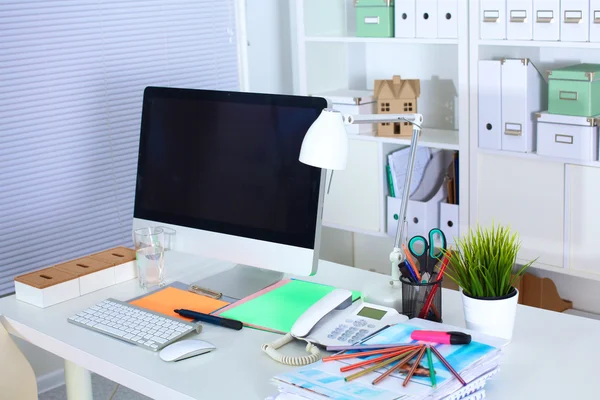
[[271, 350]]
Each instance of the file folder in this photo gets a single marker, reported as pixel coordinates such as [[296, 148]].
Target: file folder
[[524, 93], [427, 19], [405, 18], [490, 105]]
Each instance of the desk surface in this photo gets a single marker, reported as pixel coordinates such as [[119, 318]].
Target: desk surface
[[548, 358]]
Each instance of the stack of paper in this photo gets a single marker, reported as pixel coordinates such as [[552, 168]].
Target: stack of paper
[[398, 161], [475, 362]]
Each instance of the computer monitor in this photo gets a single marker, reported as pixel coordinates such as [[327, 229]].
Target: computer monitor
[[222, 169]]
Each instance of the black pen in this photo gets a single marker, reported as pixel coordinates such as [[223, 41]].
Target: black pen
[[211, 319]]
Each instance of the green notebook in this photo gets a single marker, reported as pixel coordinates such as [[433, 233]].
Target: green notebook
[[277, 307]]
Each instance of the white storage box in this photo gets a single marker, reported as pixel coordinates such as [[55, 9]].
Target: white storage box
[[405, 18], [492, 19], [449, 221], [519, 25], [447, 19], [352, 102], [574, 20], [594, 20], [567, 136], [46, 287], [421, 216], [524, 92], [427, 19], [490, 104], [93, 274], [546, 20], [123, 259]]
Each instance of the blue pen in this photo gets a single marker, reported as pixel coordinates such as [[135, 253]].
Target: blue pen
[[411, 271], [211, 319]]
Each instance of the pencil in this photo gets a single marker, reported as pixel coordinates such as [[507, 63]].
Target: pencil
[[375, 367], [365, 353], [448, 366], [414, 367], [431, 370], [412, 263], [370, 346], [398, 366], [375, 360]]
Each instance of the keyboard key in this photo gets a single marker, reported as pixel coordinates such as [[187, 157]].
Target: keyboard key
[[149, 343], [154, 346], [127, 336], [109, 329], [137, 339], [159, 340]]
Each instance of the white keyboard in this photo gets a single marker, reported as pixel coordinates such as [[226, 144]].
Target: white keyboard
[[133, 324]]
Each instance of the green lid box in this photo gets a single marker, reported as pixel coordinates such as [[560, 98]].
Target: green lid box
[[574, 90], [374, 18]]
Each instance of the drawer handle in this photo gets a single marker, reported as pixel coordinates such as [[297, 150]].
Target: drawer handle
[[573, 16], [513, 129], [564, 95], [518, 16], [372, 20], [597, 17], [544, 16], [491, 15], [565, 139]]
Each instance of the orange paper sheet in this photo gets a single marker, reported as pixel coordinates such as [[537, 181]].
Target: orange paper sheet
[[168, 299]]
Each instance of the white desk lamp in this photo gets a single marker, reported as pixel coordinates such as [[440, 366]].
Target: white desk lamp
[[326, 146]]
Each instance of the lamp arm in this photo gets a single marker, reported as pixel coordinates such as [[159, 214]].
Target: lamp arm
[[397, 256]]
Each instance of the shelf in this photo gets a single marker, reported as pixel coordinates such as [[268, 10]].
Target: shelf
[[432, 138], [533, 156], [352, 39], [564, 271], [537, 43]]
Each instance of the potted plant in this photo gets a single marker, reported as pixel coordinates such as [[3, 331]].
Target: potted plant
[[482, 265]]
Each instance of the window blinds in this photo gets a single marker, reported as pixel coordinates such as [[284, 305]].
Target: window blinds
[[72, 77]]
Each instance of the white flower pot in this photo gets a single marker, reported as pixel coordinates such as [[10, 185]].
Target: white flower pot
[[492, 316]]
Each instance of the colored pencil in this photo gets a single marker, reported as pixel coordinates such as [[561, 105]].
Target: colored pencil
[[448, 366], [414, 367], [412, 262], [400, 364], [364, 353], [431, 370], [429, 301], [375, 360], [375, 367], [369, 346]]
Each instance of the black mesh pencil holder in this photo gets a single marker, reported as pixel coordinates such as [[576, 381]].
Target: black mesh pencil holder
[[422, 300]]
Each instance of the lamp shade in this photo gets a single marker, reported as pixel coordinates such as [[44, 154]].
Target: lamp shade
[[326, 142]]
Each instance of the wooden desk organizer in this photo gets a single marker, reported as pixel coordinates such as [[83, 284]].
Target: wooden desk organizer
[[75, 278]]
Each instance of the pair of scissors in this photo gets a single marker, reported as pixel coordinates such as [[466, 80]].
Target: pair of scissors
[[426, 254]]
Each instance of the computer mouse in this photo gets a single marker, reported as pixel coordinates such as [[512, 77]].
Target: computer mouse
[[185, 349]]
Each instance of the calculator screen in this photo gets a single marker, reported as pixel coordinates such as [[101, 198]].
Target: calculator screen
[[372, 313]]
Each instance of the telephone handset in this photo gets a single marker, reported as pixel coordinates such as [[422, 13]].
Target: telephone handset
[[334, 320]]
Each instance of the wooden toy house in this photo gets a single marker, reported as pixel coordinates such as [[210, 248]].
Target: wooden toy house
[[396, 96]]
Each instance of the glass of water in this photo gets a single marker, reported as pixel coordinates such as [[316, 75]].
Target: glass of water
[[150, 256]]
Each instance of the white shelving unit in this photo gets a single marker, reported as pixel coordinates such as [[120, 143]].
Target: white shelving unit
[[331, 57], [549, 201]]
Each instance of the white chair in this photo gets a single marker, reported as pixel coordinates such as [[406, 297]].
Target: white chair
[[17, 379]]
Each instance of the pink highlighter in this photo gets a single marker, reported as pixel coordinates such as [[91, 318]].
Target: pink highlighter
[[441, 337]]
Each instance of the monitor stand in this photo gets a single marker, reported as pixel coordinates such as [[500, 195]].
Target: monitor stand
[[240, 281]]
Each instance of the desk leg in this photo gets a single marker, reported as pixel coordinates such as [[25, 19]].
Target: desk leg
[[78, 382]]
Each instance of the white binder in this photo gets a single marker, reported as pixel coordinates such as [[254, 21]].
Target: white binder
[[405, 18], [448, 19], [574, 17], [594, 20], [546, 20], [492, 19], [519, 24], [427, 20], [524, 92], [490, 105], [449, 221]]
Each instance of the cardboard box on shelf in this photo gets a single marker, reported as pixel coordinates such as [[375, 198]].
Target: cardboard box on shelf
[[396, 96]]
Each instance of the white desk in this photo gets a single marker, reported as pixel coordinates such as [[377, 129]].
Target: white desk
[[550, 354]]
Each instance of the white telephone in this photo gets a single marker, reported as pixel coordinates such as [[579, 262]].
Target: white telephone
[[334, 320]]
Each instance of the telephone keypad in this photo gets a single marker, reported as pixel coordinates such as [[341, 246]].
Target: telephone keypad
[[352, 332]]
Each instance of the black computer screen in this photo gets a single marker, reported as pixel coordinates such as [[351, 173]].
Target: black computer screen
[[228, 162]]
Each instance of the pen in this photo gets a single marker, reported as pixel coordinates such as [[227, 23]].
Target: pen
[[211, 319]]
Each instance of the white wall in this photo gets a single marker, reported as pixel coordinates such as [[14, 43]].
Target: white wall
[[269, 46]]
